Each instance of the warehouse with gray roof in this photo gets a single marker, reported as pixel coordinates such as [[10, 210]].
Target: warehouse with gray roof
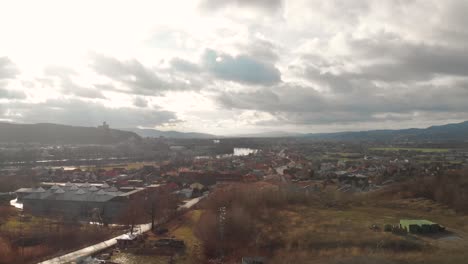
[[74, 201]]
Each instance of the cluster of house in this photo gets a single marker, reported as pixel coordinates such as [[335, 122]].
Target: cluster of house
[[194, 178], [361, 172], [68, 193], [207, 171], [117, 175]]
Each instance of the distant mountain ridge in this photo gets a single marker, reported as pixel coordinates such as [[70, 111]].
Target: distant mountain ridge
[[45, 133], [273, 134], [455, 132], [154, 133]]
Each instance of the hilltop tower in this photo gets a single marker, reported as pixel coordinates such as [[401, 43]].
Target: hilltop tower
[[104, 126]]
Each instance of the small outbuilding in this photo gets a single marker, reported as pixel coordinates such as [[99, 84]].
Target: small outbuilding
[[126, 240], [420, 226]]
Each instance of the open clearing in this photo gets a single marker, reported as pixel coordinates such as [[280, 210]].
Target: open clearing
[[342, 235], [336, 234]]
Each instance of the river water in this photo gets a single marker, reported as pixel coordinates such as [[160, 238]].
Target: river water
[[237, 152], [244, 151]]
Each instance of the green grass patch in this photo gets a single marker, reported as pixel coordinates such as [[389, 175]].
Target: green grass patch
[[423, 150], [186, 233]]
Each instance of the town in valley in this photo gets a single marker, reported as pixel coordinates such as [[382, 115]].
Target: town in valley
[[196, 200]]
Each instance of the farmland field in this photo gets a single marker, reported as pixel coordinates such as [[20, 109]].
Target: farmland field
[[127, 166], [424, 150]]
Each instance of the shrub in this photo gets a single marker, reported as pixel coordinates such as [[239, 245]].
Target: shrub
[[450, 188], [388, 228], [6, 252]]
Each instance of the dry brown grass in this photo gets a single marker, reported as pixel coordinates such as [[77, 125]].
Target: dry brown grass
[[343, 236], [43, 237], [334, 228], [449, 188]]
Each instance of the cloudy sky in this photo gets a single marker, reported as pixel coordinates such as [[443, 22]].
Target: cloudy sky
[[235, 66]]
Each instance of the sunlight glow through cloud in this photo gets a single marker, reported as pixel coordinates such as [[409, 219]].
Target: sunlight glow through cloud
[[236, 66]]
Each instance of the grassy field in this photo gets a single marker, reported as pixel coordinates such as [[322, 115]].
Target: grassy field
[[423, 150], [128, 166], [343, 156], [342, 235], [336, 232], [43, 238], [185, 232], [14, 223]]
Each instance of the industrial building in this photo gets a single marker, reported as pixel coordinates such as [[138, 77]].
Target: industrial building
[[97, 202]]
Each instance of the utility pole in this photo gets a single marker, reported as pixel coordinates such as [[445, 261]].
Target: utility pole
[[221, 223], [22, 237]]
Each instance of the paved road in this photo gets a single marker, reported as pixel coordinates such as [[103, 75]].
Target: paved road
[[73, 256], [15, 203], [82, 253], [191, 203]]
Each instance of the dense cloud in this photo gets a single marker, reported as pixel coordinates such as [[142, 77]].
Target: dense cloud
[[262, 50], [305, 63], [62, 77], [86, 113], [268, 5], [140, 102], [185, 66], [132, 73], [11, 94], [255, 68], [242, 69], [8, 69], [292, 104], [371, 76], [407, 61]]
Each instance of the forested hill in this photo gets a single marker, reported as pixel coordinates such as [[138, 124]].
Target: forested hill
[[61, 134], [168, 134], [449, 132]]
